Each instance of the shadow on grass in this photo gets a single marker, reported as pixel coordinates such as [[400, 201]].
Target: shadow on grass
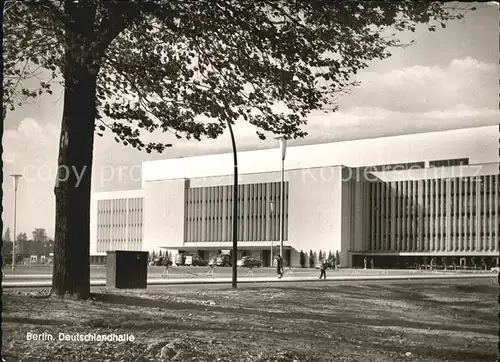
[[386, 319], [37, 321], [350, 319]]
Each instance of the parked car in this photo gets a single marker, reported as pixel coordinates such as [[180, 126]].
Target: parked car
[[249, 261], [188, 260], [194, 260], [329, 265], [223, 260], [495, 269], [197, 261], [180, 259], [161, 261]]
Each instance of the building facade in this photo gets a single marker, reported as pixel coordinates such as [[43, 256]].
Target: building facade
[[116, 222], [397, 200]]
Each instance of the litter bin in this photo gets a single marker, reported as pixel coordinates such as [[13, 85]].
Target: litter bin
[[127, 269]]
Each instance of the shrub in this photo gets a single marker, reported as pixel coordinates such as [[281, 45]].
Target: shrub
[[302, 259]]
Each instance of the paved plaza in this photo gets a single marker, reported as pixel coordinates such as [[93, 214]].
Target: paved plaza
[[37, 276]]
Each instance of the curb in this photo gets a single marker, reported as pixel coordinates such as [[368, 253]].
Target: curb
[[194, 281]]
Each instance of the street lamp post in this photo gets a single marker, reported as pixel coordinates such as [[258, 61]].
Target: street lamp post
[[271, 207], [16, 181], [282, 143], [235, 210]]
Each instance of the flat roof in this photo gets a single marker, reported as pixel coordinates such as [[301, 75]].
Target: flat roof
[[479, 145], [439, 172]]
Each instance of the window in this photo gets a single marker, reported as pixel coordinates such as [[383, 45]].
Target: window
[[257, 215], [397, 167], [449, 163]]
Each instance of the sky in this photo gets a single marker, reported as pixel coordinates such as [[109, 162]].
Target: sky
[[447, 80]]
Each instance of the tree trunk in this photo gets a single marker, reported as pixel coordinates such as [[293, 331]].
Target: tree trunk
[[71, 275]]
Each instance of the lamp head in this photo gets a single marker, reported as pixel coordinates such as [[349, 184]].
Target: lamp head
[[16, 179], [282, 140]]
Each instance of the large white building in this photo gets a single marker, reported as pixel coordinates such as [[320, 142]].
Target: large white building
[[396, 200]]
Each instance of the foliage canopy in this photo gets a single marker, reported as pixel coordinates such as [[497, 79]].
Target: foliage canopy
[[189, 67]]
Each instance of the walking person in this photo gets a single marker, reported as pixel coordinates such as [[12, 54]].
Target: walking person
[[365, 261], [279, 266], [210, 271], [323, 268], [433, 264], [165, 270], [250, 271]]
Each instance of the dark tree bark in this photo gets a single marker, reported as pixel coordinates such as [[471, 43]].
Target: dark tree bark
[[72, 191], [1, 204], [73, 186], [71, 275]]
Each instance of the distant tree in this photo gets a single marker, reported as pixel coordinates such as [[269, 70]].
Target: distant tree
[[331, 260], [337, 258], [50, 245], [6, 243], [22, 237], [6, 248], [303, 258], [311, 259], [40, 235], [6, 236], [330, 255], [320, 256], [22, 244]]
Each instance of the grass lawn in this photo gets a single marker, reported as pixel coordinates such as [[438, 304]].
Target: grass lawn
[[290, 322]]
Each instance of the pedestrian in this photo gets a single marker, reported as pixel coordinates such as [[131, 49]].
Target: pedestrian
[[372, 262], [365, 261], [323, 268], [165, 270], [279, 266], [210, 271], [250, 271], [433, 264]]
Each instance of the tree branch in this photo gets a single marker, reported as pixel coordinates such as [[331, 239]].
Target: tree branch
[[118, 16]]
